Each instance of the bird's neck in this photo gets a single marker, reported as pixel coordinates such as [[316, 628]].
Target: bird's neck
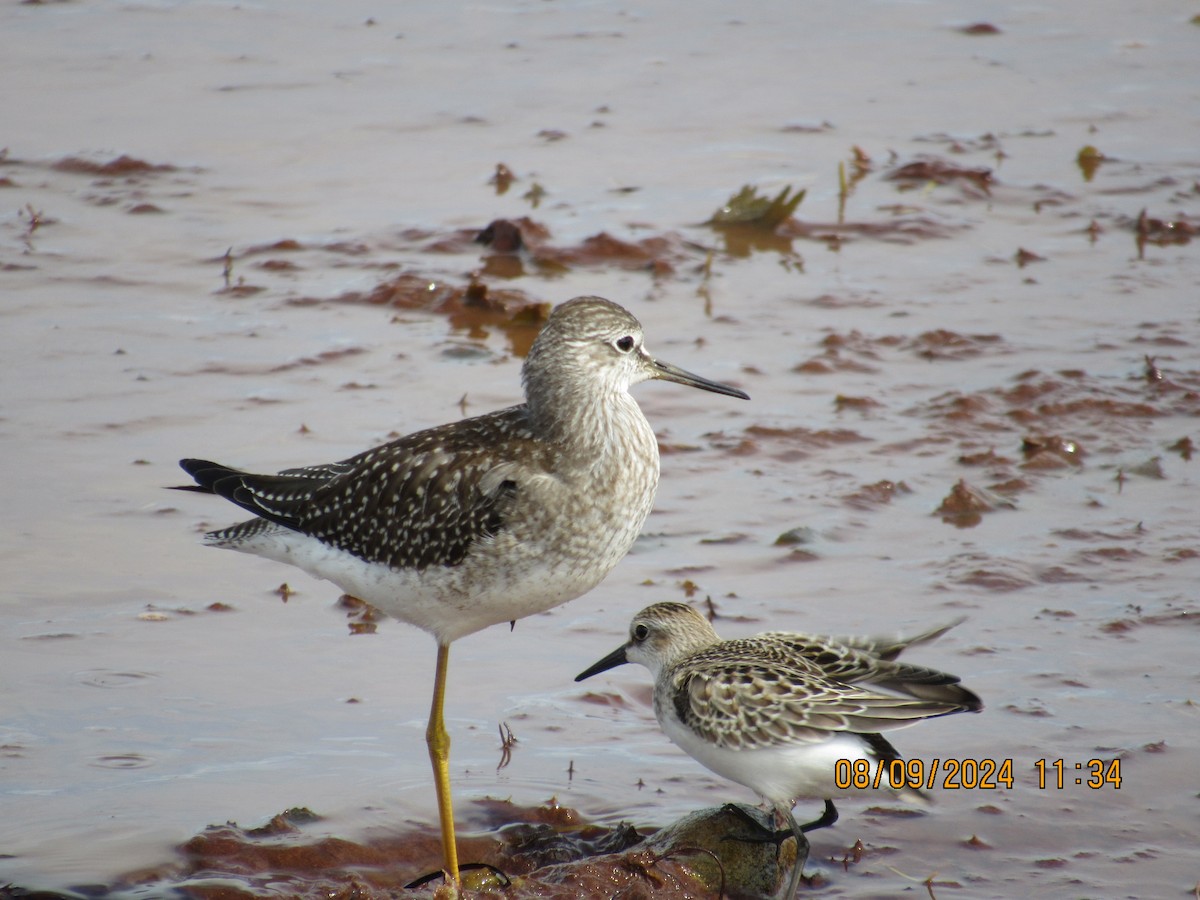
[[596, 425]]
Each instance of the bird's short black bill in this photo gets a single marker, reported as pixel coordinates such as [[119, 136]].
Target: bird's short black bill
[[614, 659], [668, 372]]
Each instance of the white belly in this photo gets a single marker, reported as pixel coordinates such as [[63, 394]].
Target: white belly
[[558, 545], [781, 774]]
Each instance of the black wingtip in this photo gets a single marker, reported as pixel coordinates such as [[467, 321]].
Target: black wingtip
[[206, 473], [971, 700], [195, 488], [195, 466]]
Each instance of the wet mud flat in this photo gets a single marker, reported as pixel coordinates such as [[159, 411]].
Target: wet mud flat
[[545, 851], [960, 290]]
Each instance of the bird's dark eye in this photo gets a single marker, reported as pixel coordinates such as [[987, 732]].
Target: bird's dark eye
[[625, 344], [640, 633]]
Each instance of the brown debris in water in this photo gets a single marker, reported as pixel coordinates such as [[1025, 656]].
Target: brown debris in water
[[1051, 452], [361, 617], [1184, 447], [1009, 487], [502, 179], [944, 344], [604, 249], [471, 308], [862, 404], [973, 181], [1089, 160], [786, 444], [957, 143], [504, 235], [905, 227], [965, 505], [239, 289], [835, 356], [534, 195], [735, 537], [747, 207], [795, 536], [318, 359], [1174, 617], [604, 698], [1024, 257], [278, 265], [749, 223], [522, 246], [121, 165], [1150, 468], [880, 493], [1152, 373], [1163, 232], [1040, 406], [545, 852], [799, 555], [854, 351], [987, 457], [978, 29]]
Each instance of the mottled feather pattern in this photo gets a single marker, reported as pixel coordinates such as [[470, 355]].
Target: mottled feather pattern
[[488, 519], [837, 659], [412, 503], [485, 520], [242, 531], [780, 713], [782, 688], [748, 704], [888, 647]]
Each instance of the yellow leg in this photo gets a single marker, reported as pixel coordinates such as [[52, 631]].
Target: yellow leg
[[439, 754]]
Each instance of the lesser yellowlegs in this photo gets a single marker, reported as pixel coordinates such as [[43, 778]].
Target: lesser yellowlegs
[[778, 711], [484, 520]]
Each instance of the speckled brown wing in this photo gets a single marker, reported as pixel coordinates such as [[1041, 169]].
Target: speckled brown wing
[[749, 705], [858, 665], [893, 646], [422, 500]]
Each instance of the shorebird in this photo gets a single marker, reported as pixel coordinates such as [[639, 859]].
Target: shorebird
[[776, 712], [484, 520]]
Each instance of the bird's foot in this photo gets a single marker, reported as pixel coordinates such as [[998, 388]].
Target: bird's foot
[[827, 818], [759, 833], [481, 877]]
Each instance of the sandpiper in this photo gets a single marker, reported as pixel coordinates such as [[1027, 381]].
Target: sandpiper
[[484, 520], [777, 711]]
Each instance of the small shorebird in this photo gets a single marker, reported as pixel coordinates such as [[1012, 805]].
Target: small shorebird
[[777, 711], [484, 520]]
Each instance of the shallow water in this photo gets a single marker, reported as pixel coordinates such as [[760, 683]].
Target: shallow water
[[893, 348]]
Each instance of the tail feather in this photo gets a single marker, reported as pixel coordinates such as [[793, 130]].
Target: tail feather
[[927, 684], [882, 749], [207, 475], [891, 647]]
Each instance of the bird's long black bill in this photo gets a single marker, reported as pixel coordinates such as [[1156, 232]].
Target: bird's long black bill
[[668, 372], [614, 659]]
